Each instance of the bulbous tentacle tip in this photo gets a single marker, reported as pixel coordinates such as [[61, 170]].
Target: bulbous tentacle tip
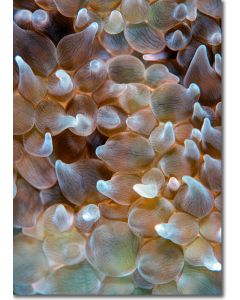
[[180, 12], [93, 27], [82, 11], [163, 230], [65, 81], [59, 164], [102, 186], [100, 150], [19, 60], [40, 17], [206, 126], [198, 112], [91, 213], [95, 65], [216, 38], [194, 90], [168, 134], [196, 135], [146, 190], [82, 18], [188, 180], [47, 146], [214, 266], [62, 218], [173, 184]]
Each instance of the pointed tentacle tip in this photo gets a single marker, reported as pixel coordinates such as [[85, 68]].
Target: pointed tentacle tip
[[191, 150], [196, 134], [168, 132]]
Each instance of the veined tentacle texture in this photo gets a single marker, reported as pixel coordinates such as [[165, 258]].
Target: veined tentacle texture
[[117, 147]]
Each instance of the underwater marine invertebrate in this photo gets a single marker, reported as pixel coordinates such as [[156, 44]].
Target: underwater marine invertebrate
[[117, 139]]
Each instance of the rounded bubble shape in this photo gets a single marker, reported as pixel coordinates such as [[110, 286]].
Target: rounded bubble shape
[[134, 11], [111, 120], [113, 211], [160, 261], [56, 219], [211, 227], [144, 38], [201, 73], [112, 248], [162, 138], [134, 97], [114, 23], [91, 76], [126, 69], [178, 37], [69, 8], [183, 132], [173, 102], [37, 144], [27, 205], [29, 261], [158, 74], [200, 254], [70, 58], [60, 86], [140, 282], [161, 14], [30, 86], [78, 180], [180, 161], [117, 286], [199, 282], [86, 217], [42, 48], [75, 280], [181, 228], [218, 202], [194, 198], [23, 18], [212, 8], [37, 171], [84, 109], [68, 147], [67, 248], [116, 44], [207, 30], [211, 173], [103, 6], [23, 115], [119, 188], [142, 121], [145, 214], [126, 152], [166, 289]]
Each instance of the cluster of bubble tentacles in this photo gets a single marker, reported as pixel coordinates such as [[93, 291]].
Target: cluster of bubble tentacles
[[117, 147]]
